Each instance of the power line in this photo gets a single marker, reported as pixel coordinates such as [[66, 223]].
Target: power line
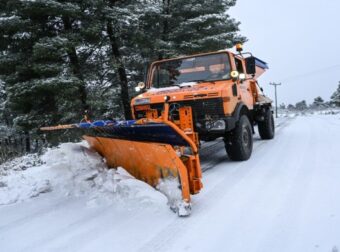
[[310, 73]]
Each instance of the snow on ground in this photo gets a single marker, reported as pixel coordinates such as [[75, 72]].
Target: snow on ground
[[285, 198], [72, 169], [293, 113]]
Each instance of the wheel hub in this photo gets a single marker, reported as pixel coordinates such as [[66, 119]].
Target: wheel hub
[[245, 137]]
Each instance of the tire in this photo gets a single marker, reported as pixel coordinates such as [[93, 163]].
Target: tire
[[239, 142], [267, 127]]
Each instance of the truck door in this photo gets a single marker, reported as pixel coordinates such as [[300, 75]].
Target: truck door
[[244, 87]]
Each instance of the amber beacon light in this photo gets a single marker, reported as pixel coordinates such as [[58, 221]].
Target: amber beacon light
[[239, 47]]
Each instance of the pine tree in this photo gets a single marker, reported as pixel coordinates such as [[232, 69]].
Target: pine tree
[[194, 26], [121, 29], [318, 102], [3, 119], [335, 98], [58, 56], [290, 107], [302, 105], [42, 87]]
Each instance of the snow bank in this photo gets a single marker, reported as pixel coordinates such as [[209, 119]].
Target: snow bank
[[309, 112], [73, 170], [329, 112]]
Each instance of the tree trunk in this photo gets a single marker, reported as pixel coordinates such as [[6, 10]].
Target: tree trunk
[[76, 68], [27, 141], [121, 72], [165, 30]]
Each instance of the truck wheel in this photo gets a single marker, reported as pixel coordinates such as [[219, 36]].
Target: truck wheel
[[239, 143], [267, 127]]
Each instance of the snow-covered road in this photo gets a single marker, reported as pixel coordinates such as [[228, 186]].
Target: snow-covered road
[[285, 198]]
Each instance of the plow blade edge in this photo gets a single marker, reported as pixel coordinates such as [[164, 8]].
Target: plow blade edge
[[158, 153]]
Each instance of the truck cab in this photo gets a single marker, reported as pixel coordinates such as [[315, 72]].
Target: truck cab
[[221, 89]]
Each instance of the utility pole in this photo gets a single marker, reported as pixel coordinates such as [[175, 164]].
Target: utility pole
[[275, 85]]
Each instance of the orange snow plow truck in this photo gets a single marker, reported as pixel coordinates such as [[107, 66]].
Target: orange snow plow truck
[[184, 101]]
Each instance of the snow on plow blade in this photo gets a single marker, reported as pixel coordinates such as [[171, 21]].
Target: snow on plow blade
[[155, 151]]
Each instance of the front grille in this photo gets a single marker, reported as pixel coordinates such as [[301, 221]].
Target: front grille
[[202, 108]]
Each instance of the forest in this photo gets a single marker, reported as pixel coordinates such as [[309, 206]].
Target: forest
[[59, 58]]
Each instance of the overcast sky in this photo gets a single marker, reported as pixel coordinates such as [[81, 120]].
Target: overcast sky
[[299, 39]]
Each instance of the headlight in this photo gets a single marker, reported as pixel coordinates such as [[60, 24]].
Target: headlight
[[142, 101], [215, 125]]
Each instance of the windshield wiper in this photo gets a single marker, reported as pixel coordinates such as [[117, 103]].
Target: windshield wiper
[[193, 81], [214, 80], [198, 81]]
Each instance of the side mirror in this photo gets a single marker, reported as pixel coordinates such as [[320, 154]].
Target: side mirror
[[140, 86], [250, 65]]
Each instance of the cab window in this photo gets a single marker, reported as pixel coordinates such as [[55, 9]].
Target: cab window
[[210, 67], [239, 65]]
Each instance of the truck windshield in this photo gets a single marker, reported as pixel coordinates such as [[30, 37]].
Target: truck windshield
[[195, 69]]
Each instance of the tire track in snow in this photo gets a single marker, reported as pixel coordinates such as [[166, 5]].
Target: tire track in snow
[[218, 152], [32, 215], [296, 177], [207, 200], [85, 226]]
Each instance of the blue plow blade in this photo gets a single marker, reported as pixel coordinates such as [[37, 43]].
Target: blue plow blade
[[128, 130]]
